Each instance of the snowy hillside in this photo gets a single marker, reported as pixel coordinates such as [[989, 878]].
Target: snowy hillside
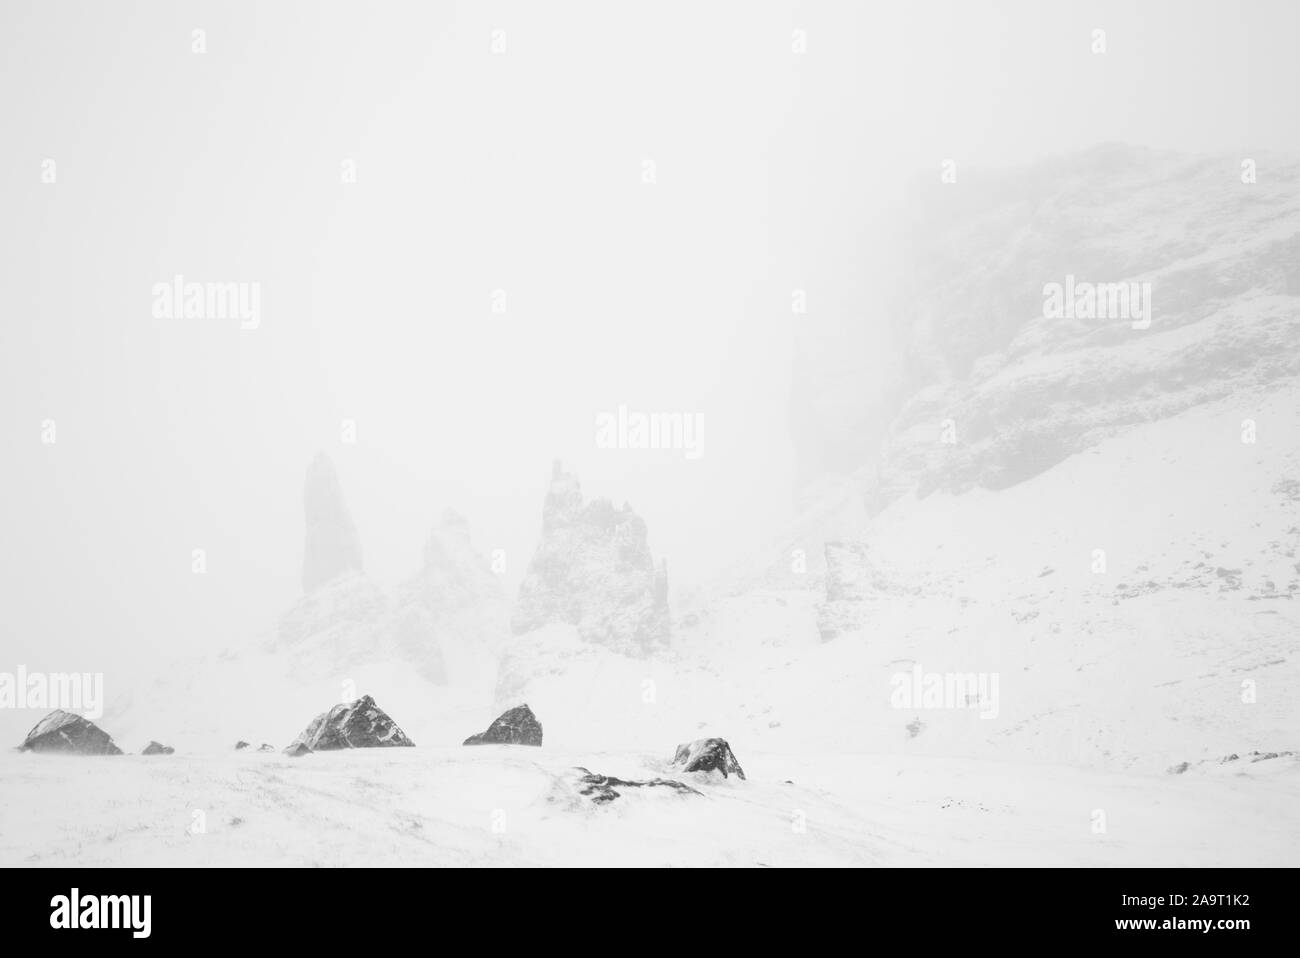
[[1048, 567]]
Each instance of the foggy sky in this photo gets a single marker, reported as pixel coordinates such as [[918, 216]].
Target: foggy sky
[[476, 171]]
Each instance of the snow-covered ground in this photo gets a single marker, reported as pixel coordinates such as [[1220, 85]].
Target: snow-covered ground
[[1182, 647], [506, 805]]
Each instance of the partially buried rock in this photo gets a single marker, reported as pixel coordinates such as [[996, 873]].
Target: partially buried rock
[[707, 755], [157, 748], [359, 724], [265, 748], [71, 734], [519, 726], [297, 750], [240, 744], [601, 788]]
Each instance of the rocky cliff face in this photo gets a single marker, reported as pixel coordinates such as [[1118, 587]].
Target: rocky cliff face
[[998, 384], [331, 546], [593, 570]]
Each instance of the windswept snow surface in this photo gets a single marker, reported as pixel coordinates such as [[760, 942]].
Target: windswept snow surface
[[519, 806]]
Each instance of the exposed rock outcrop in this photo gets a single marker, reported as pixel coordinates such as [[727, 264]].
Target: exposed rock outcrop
[[359, 724], [1250, 757], [297, 750], [519, 726], [708, 755], [157, 748], [593, 570], [71, 734], [331, 545], [601, 789]]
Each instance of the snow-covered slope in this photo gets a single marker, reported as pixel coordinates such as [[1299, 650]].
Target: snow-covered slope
[[1139, 665]]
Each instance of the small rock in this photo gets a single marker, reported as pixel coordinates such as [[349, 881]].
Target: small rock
[[518, 726], [157, 748], [1179, 768], [240, 744], [297, 750], [265, 748], [707, 755]]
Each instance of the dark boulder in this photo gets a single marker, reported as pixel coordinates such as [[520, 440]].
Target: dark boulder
[[71, 734], [601, 788], [240, 744], [157, 748], [707, 755], [519, 726], [359, 724]]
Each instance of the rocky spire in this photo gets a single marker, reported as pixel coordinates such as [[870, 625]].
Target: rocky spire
[[331, 546], [563, 499], [593, 569]]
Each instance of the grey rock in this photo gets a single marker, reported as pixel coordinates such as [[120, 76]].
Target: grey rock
[[708, 755], [70, 734], [359, 724], [518, 726]]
